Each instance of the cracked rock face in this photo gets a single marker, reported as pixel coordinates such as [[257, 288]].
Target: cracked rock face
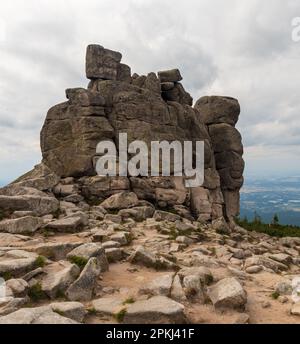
[[157, 104]]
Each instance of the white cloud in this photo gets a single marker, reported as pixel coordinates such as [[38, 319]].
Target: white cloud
[[238, 48]]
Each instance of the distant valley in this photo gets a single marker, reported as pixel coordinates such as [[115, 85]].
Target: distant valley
[[270, 196]]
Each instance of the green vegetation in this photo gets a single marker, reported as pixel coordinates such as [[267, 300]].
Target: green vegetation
[[273, 229], [120, 315], [275, 295], [36, 293], [212, 250], [92, 311], [129, 300], [79, 261], [60, 294], [6, 276], [39, 262]]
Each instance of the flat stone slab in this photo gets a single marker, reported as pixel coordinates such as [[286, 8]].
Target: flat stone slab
[[16, 262], [38, 315], [158, 309], [23, 225]]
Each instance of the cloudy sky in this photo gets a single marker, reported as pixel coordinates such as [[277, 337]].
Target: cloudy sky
[[236, 48]]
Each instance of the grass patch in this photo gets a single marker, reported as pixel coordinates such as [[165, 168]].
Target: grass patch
[[36, 293], [40, 262], [60, 294], [130, 300], [212, 250], [6, 275], [79, 261], [173, 233], [47, 233], [120, 315], [273, 229], [275, 295], [92, 311]]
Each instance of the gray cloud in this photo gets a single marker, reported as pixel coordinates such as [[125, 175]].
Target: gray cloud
[[241, 49]]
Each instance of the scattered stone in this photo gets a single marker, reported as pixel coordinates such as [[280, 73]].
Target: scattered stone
[[203, 274], [107, 306], [121, 200], [255, 269], [39, 315], [67, 224], [159, 286], [114, 254], [165, 216], [83, 288], [19, 287], [228, 293], [177, 292], [156, 310], [71, 310], [16, 262], [296, 309], [59, 276]]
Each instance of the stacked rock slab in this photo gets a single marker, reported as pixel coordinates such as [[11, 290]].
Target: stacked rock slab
[[148, 108], [221, 114]]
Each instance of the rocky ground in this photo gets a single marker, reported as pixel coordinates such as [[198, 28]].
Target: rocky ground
[[127, 262]]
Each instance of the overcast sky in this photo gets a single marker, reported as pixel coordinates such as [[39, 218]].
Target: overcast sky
[[237, 48]]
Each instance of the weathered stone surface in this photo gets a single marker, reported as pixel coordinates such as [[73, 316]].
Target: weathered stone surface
[[102, 63], [11, 305], [178, 94], [71, 310], [228, 293], [225, 138], [265, 262], [158, 309], [39, 315], [70, 152], [172, 75], [159, 286], [121, 200], [40, 205], [114, 254], [88, 251], [108, 306], [165, 216], [116, 103], [67, 224], [41, 178], [83, 288], [177, 292], [23, 225], [296, 309], [16, 262], [215, 110], [54, 250], [19, 287], [203, 273], [137, 213], [59, 276]]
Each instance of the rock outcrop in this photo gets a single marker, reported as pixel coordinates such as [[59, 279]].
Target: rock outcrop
[[157, 104]]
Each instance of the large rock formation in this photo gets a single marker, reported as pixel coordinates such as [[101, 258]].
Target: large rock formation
[[116, 102]]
